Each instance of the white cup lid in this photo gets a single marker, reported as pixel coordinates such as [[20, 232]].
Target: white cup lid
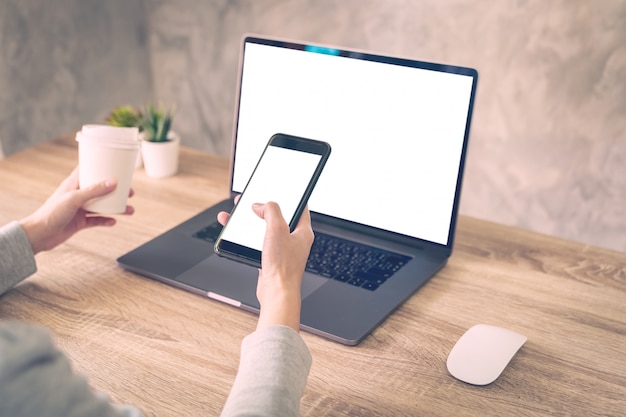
[[111, 132], [109, 142]]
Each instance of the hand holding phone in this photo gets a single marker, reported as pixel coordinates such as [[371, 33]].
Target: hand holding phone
[[286, 174]]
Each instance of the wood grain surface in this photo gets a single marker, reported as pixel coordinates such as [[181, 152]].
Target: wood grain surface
[[172, 353]]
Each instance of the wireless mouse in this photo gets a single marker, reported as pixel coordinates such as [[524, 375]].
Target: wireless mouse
[[482, 353]]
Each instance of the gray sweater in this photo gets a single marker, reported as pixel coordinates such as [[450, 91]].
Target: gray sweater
[[36, 379]]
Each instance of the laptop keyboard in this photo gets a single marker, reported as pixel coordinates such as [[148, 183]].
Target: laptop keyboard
[[353, 263], [209, 233], [340, 259]]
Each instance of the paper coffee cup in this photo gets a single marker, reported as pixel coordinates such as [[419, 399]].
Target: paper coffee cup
[[101, 157]]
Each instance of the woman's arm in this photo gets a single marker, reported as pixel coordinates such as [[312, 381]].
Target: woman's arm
[[275, 361], [36, 379], [272, 375], [59, 218], [17, 260]]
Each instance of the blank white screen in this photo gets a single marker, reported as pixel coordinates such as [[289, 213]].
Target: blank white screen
[[396, 134], [282, 176]]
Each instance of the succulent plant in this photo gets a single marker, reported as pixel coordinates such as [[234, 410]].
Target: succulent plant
[[155, 122], [124, 116]]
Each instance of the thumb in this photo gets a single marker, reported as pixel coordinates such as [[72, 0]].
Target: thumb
[[268, 211], [95, 190], [271, 213], [259, 210]]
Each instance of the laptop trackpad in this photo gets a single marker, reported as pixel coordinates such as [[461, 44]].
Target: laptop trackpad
[[234, 280], [311, 282]]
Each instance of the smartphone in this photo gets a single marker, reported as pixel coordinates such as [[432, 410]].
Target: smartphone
[[286, 174]]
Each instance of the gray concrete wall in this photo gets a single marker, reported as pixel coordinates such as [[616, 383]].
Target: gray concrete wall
[[64, 63], [548, 143]]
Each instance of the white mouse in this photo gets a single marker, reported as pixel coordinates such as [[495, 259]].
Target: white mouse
[[482, 353]]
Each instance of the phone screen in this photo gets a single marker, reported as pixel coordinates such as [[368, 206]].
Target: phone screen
[[285, 174]]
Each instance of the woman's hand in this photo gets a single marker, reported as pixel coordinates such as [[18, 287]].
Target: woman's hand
[[61, 216], [283, 262]]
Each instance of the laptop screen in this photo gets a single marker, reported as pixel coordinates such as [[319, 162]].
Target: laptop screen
[[398, 130]]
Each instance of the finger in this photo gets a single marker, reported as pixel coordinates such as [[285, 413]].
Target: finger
[[131, 193], [99, 221], [262, 210], [270, 209], [271, 213], [303, 227], [258, 209], [127, 211], [222, 217], [96, 190], [305, 219]]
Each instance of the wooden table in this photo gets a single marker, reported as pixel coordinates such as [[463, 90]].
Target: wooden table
[[173, 353]]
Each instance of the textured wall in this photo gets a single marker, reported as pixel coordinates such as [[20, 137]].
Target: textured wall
[[68, 62], [548, 143]]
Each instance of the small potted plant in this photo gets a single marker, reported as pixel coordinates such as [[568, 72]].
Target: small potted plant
[[160, 143], [126, 116]]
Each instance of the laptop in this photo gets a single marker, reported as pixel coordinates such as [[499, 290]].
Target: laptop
[[385, 208]]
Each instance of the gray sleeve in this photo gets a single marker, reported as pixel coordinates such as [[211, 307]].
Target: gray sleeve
[[273, 371], [36, 379], [17, 260]]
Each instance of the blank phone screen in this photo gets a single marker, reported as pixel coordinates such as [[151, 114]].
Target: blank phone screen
[[282, 175]]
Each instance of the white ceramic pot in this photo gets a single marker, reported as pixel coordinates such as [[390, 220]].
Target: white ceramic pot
[[160, 159]]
